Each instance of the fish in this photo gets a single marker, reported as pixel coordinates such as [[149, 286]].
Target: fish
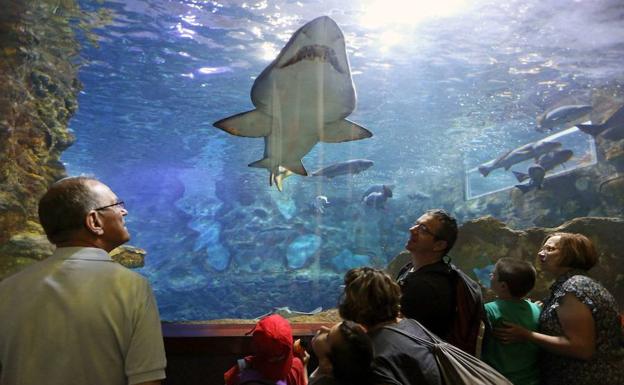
[[378, 188], [612, 129], [536, 175], [548, 162], [520, 154], [353, 166], [562, 115], [319, 204], [301, 98], [377, 199]]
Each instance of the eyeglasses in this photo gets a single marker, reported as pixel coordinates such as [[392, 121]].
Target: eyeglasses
[[422, 228], [120, 204]]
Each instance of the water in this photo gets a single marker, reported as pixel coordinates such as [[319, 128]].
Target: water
[[442, 93]]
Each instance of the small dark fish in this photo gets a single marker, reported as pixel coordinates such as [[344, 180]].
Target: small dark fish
[[520, 154], [353, 166], [563, 115], [548, 162], [380, 188], [377, 199], [612, 129], [536, 175]]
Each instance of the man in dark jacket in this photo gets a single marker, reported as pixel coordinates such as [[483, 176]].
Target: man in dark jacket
[[430, 284]]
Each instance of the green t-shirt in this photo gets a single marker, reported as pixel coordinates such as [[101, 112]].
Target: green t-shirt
[[516, 361]]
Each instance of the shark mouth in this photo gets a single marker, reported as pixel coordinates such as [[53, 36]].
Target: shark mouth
[[312, 52]]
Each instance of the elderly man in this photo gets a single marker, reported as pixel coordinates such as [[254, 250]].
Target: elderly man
[[78, 317], [430, 284]]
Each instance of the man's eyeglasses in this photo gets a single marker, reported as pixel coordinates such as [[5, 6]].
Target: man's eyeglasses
[[422, 228], [120, 204]]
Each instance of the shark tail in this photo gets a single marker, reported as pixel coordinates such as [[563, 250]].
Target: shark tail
[[253, 124], [343, 131], [525, 187], [485, 170], [520, 176], [592, 129]]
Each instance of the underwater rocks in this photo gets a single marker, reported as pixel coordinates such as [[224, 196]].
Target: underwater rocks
[[22, 250], [129, 256], [302, 249], [346, 260], [481, 242], [37, 99]]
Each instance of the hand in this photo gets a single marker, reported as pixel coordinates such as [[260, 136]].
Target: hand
[[537, 302], [510, 333], [300, 352]]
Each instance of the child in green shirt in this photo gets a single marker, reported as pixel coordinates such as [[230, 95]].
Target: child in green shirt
[[512, 279]]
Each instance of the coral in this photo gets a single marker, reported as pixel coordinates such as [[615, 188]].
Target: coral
[[36, 101], [129, 256], [302, 249]]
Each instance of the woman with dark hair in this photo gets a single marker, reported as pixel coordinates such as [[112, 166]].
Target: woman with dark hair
[[371, 298], [579, 329], [345, 354]]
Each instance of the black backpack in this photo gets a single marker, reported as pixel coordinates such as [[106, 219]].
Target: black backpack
[[470, 324]]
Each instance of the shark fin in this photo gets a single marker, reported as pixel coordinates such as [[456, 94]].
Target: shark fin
[[520, 176], [253, 124], [262, 163], [525, 187], [296, 167], [485, 170], [343, 131], [592, 129]]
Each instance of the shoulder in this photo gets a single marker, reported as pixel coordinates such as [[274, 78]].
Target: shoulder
[[581, 286]]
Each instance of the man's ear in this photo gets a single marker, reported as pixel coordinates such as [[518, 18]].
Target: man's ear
[[440, 245], [93, 223]]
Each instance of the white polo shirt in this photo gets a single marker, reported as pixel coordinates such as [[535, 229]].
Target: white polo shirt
[[78, 317]]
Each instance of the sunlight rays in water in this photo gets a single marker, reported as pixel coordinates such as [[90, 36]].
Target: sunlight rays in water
[[384, 13]]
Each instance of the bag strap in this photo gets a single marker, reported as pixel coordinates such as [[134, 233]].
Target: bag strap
[[435, 340]]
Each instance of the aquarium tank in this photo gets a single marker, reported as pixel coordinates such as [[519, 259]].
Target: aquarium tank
[[355, 117]]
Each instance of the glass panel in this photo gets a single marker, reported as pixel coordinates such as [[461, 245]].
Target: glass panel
[[583, 149]]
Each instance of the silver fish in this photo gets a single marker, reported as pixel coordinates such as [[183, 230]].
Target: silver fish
[[520, 154]]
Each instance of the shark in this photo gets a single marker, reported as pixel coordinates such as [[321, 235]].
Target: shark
[[303, 97]]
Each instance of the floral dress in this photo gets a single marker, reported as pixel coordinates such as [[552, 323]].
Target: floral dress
[[606, 367]]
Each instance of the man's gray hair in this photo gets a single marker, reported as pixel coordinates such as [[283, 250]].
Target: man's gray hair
[[63, 208]]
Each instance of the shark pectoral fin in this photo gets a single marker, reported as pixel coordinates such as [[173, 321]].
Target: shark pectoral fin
[[343, 131], [253, 124], [592, 129], [520, 176], [524, 187], [262, 163]]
